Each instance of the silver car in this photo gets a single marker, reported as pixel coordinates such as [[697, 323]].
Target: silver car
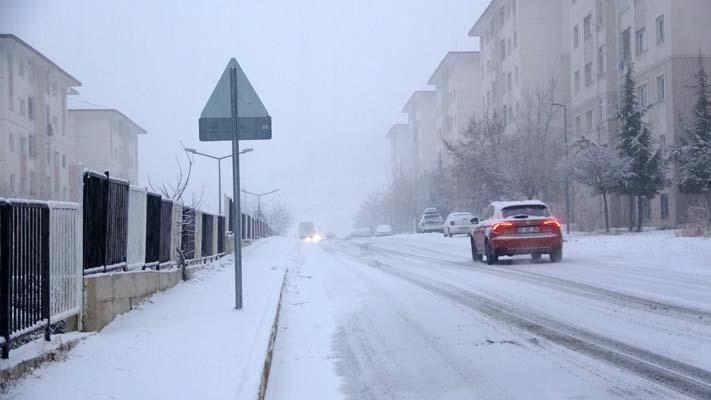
[[458, 223]]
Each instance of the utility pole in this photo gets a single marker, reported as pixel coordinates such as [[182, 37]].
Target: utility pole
[[219, 170], [259, 199]]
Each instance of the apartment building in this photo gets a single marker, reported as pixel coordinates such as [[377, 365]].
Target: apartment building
[[106, 140], [523, 50], [662, 39], [36, 145], [457, 96], [403, 151], [420, 110]]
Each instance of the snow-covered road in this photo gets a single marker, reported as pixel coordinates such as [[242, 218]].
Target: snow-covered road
[[412, 317]]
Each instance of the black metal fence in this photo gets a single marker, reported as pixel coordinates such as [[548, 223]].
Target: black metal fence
[[154, 224], [24, 269], [105, 215], [166, 230], [207, 235], [221, 233]]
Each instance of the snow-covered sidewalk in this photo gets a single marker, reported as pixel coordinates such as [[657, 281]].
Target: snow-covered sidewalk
[[186, 343]]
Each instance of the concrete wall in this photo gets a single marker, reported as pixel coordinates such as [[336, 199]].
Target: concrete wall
[[108, 295]]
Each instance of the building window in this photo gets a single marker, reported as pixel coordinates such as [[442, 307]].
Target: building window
[[11, 143], [21, 69], [515, 40], [64, 193], [502, 48], [509, 80], [11, 83], [661, 89], [12, 183], [516, 74], [641, 41], [576, 36], [31, 108], [664, 206], [600, 14], [23, 146], [660, 30], [64, 161], [578, 126], [587, 26], [626, 40], [603, 111], [588, 74], [23, 107], [589, 121], [601, 60], [577, 81], [642, 96], [32, 150]]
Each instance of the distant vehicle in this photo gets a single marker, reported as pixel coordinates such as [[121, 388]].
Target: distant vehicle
[[306, 230], [430, 221], [509, 228], [361, 233], [459, 223], [383, 230]]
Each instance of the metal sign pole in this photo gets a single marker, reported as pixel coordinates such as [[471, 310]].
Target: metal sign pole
[[236, 191]]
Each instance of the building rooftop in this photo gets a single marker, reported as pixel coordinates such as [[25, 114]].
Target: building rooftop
[[397, 129], [417, 97], [109, 111], [447, 60], [476, 29], [72, 80]]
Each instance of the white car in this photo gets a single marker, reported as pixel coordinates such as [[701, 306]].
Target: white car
[[459, 223], [383, 230], [430, 222]]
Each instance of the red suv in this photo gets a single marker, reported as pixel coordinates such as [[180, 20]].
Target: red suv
[[509, 228]]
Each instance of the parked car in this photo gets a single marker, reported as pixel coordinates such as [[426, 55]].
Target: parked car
[[383, 230], [516, 227], [458, 223], [430, 221]]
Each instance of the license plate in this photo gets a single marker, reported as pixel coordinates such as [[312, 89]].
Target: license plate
[[528, 229]]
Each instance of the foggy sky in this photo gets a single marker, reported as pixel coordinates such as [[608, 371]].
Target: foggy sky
[[334, 75]]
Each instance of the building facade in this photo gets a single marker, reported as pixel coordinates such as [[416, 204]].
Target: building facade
[[457, 95], [663, 44], [403, 151], [36, 148], [106, 140], [420, 110], [522, 53]]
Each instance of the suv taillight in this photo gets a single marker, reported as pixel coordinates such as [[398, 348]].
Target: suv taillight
[[551, 224], [500, 228]]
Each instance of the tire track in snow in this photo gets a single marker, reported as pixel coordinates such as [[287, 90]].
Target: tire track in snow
[[575, 288], [673, 374]]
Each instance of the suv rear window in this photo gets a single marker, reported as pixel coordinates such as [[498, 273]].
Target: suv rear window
[[529, 210]]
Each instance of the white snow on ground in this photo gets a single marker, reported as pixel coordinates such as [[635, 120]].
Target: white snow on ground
[[352, 320], [38, 347], [185, 343]]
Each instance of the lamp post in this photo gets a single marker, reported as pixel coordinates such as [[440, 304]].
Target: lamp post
[[259, 199], [567, 178], [219, 170]]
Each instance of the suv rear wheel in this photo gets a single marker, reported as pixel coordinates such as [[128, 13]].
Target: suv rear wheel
[[476, 257], [556, 254], [491, 257]]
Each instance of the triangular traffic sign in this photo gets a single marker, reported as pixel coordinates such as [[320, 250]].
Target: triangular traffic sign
[[253, 120]]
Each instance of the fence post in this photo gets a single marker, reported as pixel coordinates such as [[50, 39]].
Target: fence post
[[106, 220], [44, 240], [5, 277]]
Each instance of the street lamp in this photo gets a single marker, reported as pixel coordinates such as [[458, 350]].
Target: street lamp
[[259, 199], [219, 170], [567, 178]]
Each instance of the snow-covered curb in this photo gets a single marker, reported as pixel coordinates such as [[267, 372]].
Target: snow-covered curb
[[270, 349], [35, 353]]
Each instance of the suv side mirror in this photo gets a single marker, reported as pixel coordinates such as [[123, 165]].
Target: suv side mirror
[[475, 220]]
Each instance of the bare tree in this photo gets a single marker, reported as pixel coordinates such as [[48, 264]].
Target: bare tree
[[280, 217]]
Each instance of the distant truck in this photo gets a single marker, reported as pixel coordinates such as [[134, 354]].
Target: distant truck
[[306, 230]]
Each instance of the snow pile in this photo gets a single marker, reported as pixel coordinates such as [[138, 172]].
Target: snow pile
[[186, 343]]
